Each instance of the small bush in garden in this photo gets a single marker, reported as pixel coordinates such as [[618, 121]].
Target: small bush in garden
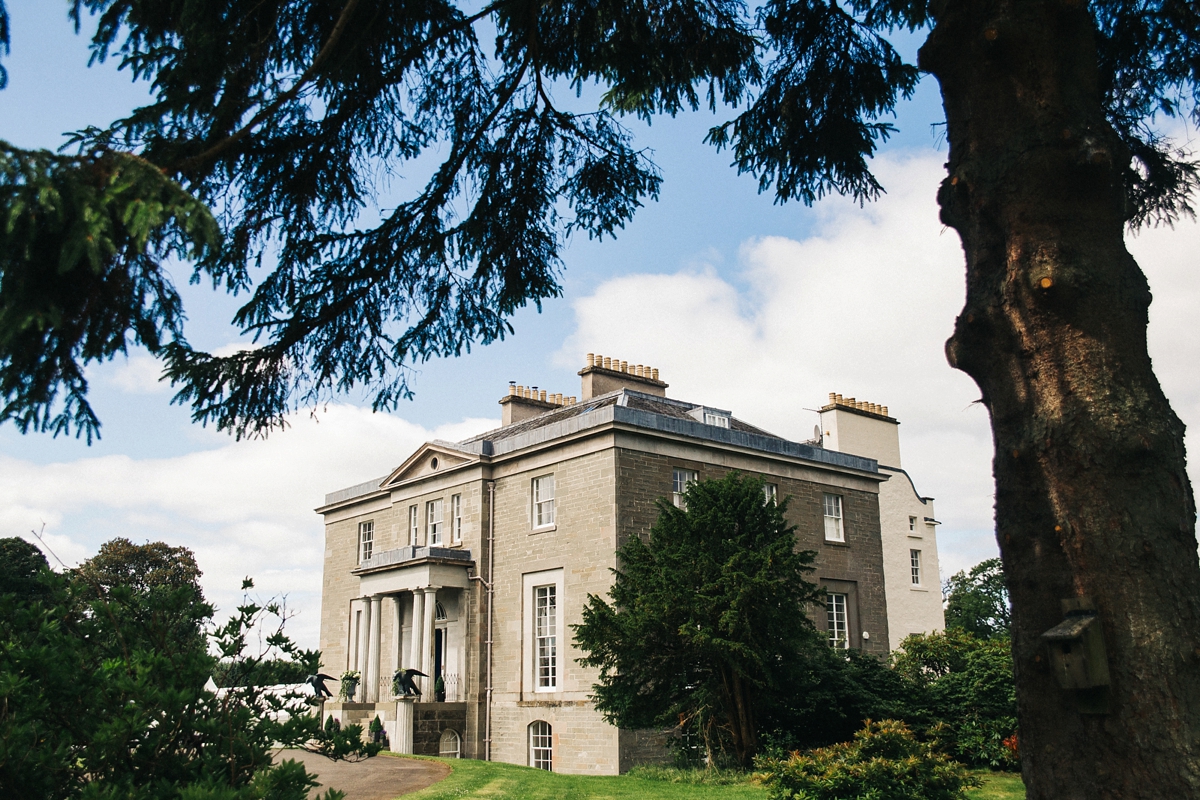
[[884, 762]]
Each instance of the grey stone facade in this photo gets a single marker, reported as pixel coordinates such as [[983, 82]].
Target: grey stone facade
[[611, 457]]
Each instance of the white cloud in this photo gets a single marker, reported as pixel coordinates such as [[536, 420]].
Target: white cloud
[[139, 374], [245, 508], [864, 309]]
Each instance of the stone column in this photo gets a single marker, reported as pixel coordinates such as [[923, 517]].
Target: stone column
[[402, 728], [427, 643], [364, 640], [414, 659], [397, 659], [373, 649]]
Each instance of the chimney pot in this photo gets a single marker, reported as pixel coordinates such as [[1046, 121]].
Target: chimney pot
[[624, 366], [512, 388], [542, 396], [885, 411], [607, 362], [654, 373], [832, 398], [591, 359]]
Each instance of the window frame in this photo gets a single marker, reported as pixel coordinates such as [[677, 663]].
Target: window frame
[[771, 493], [838, 520], [414, 524], [832, 620], [366, 546], [914, 564], [716, 420], [433, 526], [531, 581], [912, 524], [457, 752], [541, 741], [456, 519], [678, 486], [545, 640], [544, 510]]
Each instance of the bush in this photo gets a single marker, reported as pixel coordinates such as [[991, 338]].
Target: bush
[[963, 696], [883, 762]]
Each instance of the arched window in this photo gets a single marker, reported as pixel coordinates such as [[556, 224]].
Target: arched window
[[450, 745], [541, 747]]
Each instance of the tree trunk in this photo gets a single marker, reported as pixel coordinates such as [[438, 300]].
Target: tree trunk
[[1092, 499], [741, 717]]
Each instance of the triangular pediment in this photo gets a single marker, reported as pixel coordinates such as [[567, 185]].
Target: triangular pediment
[[430, 458]]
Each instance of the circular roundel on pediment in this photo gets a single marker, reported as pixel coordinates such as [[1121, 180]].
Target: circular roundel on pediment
[[433, 462]]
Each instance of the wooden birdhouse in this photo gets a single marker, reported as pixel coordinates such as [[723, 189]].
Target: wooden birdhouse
[[1077, 647]]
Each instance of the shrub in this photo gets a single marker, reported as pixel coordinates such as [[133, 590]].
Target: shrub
[[962, 695], [883, 762]]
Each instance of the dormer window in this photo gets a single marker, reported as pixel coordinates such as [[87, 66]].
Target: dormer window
[[711, 416]]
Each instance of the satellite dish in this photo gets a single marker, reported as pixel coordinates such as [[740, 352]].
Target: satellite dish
[[816, 431]]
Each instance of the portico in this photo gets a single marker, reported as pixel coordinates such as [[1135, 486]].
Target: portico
[[420, 593]]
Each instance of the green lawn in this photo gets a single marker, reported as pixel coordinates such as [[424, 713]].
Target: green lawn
[[496, 781], [999, 786]]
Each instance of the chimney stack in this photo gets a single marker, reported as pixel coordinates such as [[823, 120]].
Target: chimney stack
[[605, 374]]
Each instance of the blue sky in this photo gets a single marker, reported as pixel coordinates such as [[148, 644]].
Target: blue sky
[[743, 304]]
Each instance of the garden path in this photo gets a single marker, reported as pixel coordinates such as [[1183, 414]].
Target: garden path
[[380, 778]]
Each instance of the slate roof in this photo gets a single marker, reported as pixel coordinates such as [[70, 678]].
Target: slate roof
[[639, 410]]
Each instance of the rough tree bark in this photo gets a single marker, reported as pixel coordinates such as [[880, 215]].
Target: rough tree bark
[[1091, 494]]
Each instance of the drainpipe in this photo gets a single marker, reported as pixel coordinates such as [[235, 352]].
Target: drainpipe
[[489, 585]]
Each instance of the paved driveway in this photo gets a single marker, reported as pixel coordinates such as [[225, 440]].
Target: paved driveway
[[378, 778]]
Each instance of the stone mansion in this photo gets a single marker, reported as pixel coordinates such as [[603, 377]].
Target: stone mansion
[[472, 560]]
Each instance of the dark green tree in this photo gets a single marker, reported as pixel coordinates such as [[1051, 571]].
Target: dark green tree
[[100, 699], [707, 622], [977, 601], [146, 581], [21, 563], [273, 122]]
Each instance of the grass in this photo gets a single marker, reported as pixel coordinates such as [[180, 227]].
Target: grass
[[496, 781], [999, 786]]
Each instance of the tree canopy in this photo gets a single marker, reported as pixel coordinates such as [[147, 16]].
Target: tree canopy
[[20, 565], [708, 619], [977, 601], [100, 697], [275, 126]]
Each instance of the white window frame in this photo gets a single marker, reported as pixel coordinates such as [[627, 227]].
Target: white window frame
[[433, 521], [680, 480], [545, 637], [366, 540], [832, 508], [531, 668], [837, 619], [414, 524], [541, 745], [717, 420], [542, 492], [770, 493], [914, 562], [456, 518], [455, 740], [912, 524]]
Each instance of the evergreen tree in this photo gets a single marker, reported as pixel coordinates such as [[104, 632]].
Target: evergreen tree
[[707, 625], [273, 120]]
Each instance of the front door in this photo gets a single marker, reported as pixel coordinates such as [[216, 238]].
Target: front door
[[439, 650]]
